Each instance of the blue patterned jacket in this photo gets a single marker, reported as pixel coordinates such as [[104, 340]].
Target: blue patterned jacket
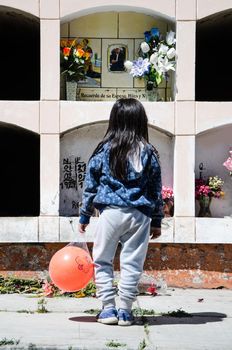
[[141, 189]]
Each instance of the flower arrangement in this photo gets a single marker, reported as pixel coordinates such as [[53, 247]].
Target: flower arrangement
[[75, 59], [228, 164], [205, 190], [168, 199], [156, 58], [212, 187]]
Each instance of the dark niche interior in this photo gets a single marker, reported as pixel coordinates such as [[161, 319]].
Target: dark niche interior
[[20, 55], [20, 171], [213, 74]]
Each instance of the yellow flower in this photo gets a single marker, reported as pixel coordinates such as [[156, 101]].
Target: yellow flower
[[80, 53], [222, 194]]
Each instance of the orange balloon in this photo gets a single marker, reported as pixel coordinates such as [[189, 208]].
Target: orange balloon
[[71, 268]]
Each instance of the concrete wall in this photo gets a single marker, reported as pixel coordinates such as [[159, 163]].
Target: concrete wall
[[76, 148], [184, 118]]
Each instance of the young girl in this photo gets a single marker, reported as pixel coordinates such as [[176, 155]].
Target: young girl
[[123, 181]]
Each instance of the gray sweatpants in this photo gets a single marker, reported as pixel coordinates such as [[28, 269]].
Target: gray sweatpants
[[131, 228]]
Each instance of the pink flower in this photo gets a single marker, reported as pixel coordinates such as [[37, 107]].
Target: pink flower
[[167, 192], [48, 289], [228, 162]]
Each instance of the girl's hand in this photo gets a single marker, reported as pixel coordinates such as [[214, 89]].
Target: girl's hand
[[82, 227], [155, 232]]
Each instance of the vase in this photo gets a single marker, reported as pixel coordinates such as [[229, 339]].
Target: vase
[[63, 79], [151, 92], [205, 207], [71, 90], [168, 208]]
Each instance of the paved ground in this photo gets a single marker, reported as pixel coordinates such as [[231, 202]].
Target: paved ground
[[67, 327]]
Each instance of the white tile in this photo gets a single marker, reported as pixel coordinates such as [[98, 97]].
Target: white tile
[[166, 232], [209, 7], [49, 117], [214, 230], [184, 230], [96, 25], [49, 174], [49, 229], [161, 115], [186, 9], [70, 8], [69, 230], [49, 9], [18, 229], [21, 113], [50, 59], [73, 114], [134, 24], [185, 118], [30, 6], [185, 70], [184, 176], [210, 115]]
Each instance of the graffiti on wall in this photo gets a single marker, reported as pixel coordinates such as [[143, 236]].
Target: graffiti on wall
[[74, 170]]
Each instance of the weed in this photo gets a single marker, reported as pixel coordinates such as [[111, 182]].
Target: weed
[[32, 347], [9, 285], [114, 344], [25, 311], [177, 313], [139, 311], [92, 311], [142, 345], [6, 341], [42, 306]]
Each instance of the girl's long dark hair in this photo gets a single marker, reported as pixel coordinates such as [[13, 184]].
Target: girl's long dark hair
[[128, 125]]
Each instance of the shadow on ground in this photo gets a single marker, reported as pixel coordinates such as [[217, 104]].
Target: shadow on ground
[[194, 318]]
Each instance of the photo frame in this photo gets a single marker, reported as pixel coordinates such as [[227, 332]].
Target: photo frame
[[114, 53], [116, 56]]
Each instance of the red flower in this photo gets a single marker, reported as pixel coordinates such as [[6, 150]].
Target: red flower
[[152, 289]]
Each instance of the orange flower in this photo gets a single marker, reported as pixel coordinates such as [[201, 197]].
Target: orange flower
[[66, 51], [80, 53], [87, 55]]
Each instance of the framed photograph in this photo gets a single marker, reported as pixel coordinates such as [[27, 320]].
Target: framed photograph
[[116, 56], [114, 53]]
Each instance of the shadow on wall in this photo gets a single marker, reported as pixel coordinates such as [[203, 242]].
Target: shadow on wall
[[20, 55], [20, 171]]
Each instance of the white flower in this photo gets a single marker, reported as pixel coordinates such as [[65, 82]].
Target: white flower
[[170, 38], [128, 65], [154, 58], [145, 47], [163, 49], [165, 65], [171, 53]]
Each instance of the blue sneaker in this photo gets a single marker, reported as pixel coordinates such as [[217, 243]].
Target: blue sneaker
[[108, 316], [125, 318]]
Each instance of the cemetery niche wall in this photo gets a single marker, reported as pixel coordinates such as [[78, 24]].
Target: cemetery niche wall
[[210, 155], [76, 146], [108, 39]]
